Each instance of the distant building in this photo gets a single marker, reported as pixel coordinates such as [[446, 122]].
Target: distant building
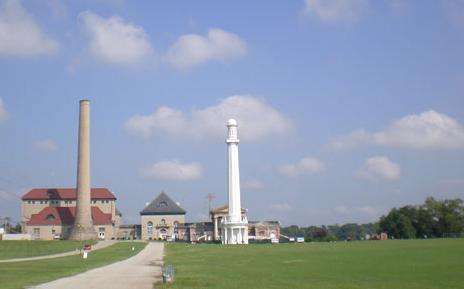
[[217, 215], [195, 232], [257, 230], [160, 218], [128, 232], [49, 213], [164, 219], [264, 230]]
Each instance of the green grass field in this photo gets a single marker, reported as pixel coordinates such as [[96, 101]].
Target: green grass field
[[22, 249], [408, 264], [20, 274]]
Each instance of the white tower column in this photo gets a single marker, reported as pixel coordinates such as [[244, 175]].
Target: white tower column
[[234, 173], [235, 227]]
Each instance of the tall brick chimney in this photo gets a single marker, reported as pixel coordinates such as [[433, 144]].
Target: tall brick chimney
[[83, 226]]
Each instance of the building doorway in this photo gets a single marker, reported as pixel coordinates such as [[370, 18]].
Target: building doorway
[[163, 233], [101, 233]]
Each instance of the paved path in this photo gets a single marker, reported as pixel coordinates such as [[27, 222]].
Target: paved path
[[138, 272], [99, 245]]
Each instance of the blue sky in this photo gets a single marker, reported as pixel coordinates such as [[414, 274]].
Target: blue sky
[[345, 108]]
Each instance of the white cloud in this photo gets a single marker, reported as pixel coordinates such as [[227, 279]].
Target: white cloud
[[282, 207], [252, 185], [47, 145], [335, 10], [20, 35], [428, 130], [256, 119], [112, 40], [173, 170], [3, 112], [193, 49], [379, 168], [307, 165]]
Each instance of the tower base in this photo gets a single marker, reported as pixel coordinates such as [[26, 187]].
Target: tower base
[[234, 233], [81, 233]]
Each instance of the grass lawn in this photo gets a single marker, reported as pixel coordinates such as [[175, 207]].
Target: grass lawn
[[19, 274], [22, 249], [400, 264]]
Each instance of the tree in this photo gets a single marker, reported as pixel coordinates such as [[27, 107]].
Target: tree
[[397, 224]]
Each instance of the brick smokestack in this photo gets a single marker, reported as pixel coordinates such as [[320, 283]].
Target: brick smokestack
[[83, 226]]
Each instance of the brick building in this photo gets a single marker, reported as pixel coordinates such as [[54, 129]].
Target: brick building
[[160, 218], [48, 213]]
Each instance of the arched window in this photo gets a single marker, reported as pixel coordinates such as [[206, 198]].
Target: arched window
[[163, 222], [162, 204], [50, 217], [150, 228]]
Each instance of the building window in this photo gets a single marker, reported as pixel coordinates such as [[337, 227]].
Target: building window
[[162, 204], [36, 234], [150, 228], [163, 222], [50, 217], [94, 202]]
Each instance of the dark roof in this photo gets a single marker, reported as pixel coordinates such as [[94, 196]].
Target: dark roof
[[163, 205], [65, 216], [66, 194]]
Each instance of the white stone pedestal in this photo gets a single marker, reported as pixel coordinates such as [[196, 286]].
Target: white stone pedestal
[[234, 233]]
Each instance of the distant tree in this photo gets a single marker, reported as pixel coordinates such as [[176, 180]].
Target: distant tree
[[448, 215], [434, 218], [397, 224], [16, 229]]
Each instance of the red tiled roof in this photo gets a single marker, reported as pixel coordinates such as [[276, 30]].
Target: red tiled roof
[[65, 216], [66, 194]]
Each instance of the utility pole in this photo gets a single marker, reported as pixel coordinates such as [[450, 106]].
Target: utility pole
[[210, 198]]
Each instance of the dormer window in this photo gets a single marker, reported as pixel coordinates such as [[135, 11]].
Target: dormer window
[[162, 204], [50, 217]]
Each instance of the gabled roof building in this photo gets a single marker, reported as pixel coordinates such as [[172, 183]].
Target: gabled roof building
[[49, 213], [161, 218]]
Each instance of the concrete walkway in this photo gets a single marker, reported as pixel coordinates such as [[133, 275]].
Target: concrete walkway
[[99, 245], [138, 272]]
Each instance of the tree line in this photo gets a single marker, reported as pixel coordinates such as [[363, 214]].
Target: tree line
[[432, 219]]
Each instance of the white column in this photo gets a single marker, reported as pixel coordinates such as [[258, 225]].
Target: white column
[[215, 229], [234, 173], [225, 241]]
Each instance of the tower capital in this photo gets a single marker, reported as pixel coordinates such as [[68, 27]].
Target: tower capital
[[232, 133]]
